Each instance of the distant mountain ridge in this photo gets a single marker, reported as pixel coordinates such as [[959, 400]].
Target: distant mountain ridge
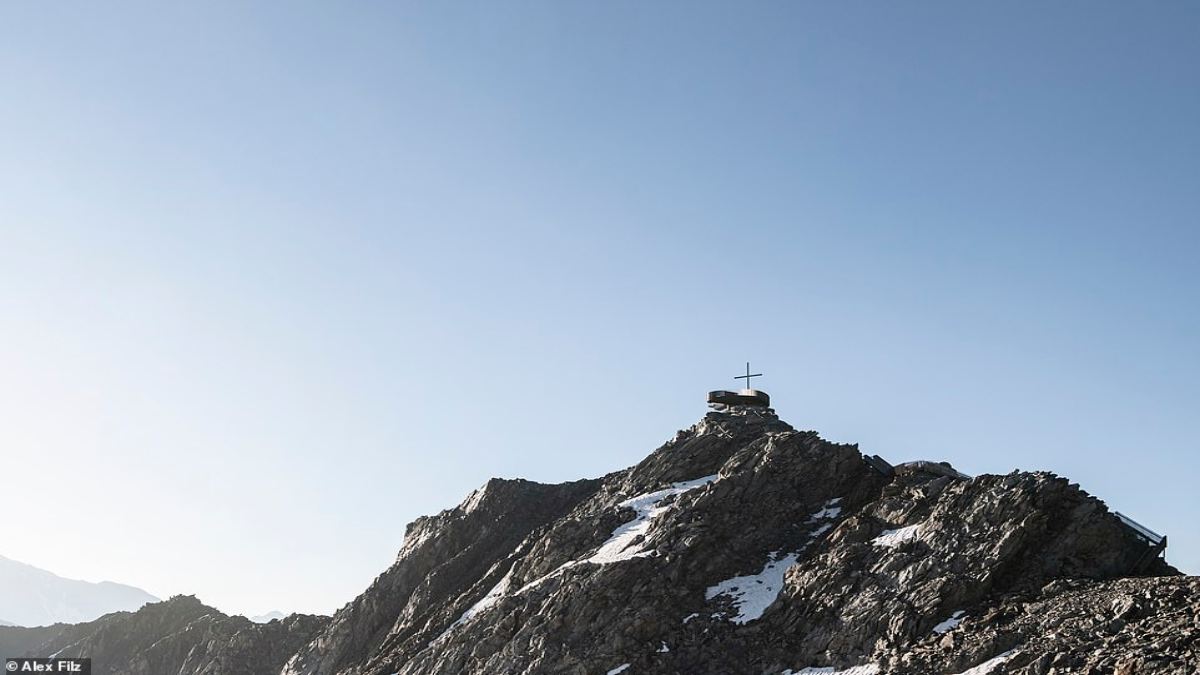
[[34, 597], [268, 617]]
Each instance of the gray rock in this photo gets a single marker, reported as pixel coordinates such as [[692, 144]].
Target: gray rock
[[740, 546], [180, 636]]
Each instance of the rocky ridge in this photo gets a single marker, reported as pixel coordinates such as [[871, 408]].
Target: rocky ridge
[[740, 546], [180, 636], [745, 546]]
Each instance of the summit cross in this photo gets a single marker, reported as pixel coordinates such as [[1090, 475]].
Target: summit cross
[[747, 376]]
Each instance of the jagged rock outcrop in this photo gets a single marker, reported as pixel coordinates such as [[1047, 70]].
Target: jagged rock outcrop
[[180, 636], [954, 543], [443, 557], [1121, 627], [740, 546]]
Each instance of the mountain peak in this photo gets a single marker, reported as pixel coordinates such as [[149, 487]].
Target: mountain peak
[[745, 546], [741, 545]]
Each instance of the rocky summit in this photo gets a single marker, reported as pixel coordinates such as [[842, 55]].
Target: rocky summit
[[739, 546]]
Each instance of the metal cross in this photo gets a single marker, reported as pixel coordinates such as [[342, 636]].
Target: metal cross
[[747, 376]]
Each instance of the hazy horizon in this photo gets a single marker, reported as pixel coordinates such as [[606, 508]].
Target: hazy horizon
[[276, 280]]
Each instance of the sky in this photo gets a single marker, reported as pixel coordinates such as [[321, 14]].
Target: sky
[[277, 278]]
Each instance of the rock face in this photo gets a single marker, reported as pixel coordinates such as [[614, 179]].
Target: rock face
[[180, 636], [740, 546], [444, 556], [744, 546], [1125, 627]]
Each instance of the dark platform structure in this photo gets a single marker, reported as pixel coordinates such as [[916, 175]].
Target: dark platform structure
[[747, 396], [1156, 544], [744, 397]]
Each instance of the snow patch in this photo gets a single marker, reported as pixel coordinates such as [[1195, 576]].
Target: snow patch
[[949, 624], [894, 538], [493, 596], [691, 616], [620, 546], [830, 511], [619, 669], [559, 570], [664, 649], [869, 669], [753, 593], [988, 666]]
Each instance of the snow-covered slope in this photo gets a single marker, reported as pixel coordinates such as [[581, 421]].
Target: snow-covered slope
[[33, 597]]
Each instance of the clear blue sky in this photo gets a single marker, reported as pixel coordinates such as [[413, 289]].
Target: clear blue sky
[[277, 279]]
